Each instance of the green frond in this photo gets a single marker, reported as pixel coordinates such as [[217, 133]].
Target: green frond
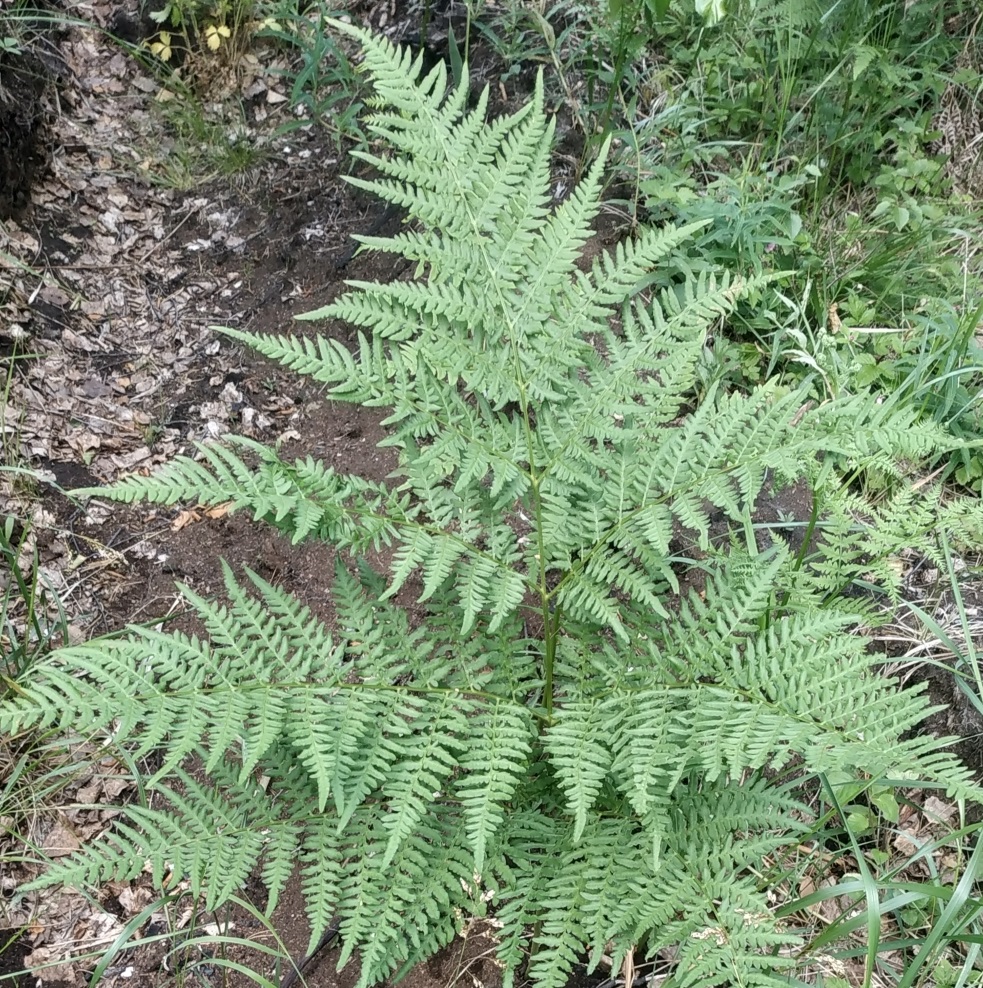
[[325, 360], [654, 730], [407, 905], [861, 540], [316, 713], [520, 881], [214, 839], [733, 736], [719, 924], [321, 874], [579, 753], [185, 478], [380, 640], [395, 73], [561, 934], [210, 839], [728, 937], [280, 852], [120, 854], [417, 779], [616, 851], [734, 825], [491, 768], [363, 757], [737, 597]]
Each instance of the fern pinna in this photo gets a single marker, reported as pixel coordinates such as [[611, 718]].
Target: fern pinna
[[567, 739]]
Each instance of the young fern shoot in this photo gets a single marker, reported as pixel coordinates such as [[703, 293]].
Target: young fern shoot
[[566, 735]]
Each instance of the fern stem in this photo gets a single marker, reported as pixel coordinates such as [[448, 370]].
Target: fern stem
[[550, 620], [289, 686], [552, 634]]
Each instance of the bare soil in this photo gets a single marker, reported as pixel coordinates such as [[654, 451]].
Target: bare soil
[[23, 148]]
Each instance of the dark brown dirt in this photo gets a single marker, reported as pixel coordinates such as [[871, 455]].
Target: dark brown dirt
[[14, 947], [958, 715], [282, 275], [23, 154], [469, 961]]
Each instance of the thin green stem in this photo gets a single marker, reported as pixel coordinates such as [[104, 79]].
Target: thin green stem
[[625, 30], [552, 635], [542, 589]]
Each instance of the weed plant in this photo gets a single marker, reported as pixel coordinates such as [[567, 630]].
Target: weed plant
[[32, 622], [804, 133], [324, 88], [557, 730], [206, 143], [188, 27], [26, 626], [24, 26], [817, 108]]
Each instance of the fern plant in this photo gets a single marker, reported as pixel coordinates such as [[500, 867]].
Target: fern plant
[[567, 738]]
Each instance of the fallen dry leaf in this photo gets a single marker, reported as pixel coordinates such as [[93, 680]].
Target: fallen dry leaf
[[47, 965], [61, 839], [183, 519]]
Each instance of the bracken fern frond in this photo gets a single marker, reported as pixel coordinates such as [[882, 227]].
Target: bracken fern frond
[[557, 730]]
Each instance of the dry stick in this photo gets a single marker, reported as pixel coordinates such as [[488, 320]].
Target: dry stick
[[160, 243], [391, 211]]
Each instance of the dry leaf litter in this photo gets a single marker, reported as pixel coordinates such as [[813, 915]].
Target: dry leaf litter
[[107, 304]]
